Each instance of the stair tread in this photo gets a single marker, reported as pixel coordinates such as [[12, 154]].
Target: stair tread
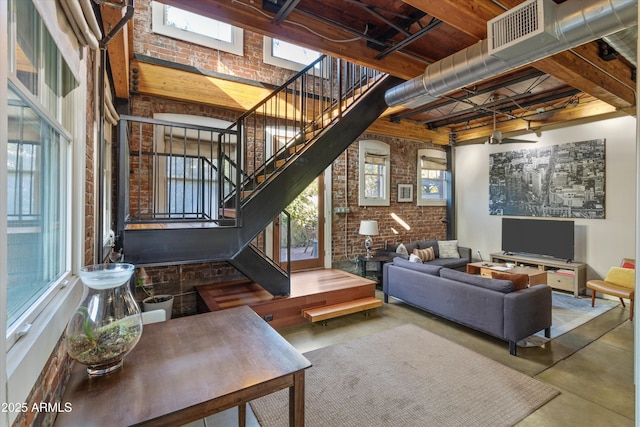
[[316, 314]]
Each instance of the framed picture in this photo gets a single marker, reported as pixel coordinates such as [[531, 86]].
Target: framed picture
[[405, 193]]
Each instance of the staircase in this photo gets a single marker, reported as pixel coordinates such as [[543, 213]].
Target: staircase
[[198, 194]]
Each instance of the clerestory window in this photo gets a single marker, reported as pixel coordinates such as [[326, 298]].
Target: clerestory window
[[191, 27]]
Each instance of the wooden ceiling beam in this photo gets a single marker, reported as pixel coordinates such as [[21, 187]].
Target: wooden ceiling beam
[[593, 110], [118, 50], [157, 80], [242, 14], [406, 129]]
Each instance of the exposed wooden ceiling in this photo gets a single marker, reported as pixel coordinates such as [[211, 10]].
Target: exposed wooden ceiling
[[402, 37]]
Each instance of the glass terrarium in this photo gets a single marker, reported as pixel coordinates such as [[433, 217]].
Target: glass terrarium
[[107, 324]]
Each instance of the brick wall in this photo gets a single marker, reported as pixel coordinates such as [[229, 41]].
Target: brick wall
[[425, 221], [248, 66]]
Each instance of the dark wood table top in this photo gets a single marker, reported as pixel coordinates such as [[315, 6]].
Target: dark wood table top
[[184, 369]]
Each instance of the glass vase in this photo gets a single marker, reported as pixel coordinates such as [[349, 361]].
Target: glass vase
[[108, 323]]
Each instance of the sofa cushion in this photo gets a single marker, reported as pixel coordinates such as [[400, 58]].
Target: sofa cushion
[[401, 249], [504, 286], [425, 254], [448, 248], [423, 268], [415, 258], [519, 281], [456, 263], [424, 244]]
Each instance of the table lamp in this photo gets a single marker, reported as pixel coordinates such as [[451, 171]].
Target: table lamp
[[368, 228]]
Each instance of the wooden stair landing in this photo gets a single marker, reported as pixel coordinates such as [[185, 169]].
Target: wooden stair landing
[[309, 290]]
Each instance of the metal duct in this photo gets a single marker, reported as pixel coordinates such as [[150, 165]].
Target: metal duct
[[625, 43], [573, 23]]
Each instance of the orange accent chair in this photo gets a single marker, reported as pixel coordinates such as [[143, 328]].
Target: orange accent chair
[[619, 282]]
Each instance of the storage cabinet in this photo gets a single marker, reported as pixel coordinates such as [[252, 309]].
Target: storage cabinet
[[566, 276]]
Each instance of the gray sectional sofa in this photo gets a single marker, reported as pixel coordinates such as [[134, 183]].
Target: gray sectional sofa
[[455, 263], [488, 305]]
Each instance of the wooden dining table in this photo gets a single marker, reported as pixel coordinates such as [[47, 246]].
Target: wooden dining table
[[188, 368]]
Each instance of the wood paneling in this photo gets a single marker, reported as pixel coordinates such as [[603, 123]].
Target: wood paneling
[[309, 289]]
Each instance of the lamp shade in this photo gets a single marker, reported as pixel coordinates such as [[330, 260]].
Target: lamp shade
[[368, 228]]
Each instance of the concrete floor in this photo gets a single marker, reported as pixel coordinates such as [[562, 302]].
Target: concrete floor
[[592, 365]]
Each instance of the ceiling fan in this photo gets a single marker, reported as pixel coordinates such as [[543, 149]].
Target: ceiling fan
[[496, 136]]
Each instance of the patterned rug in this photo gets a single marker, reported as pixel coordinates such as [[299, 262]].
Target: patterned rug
[[407, 376], [568, 313]]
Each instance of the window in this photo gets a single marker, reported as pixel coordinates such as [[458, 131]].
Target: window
[[432, 177], [40, 124], [180, 24], [287, 55], [190, 187], [374, 177]]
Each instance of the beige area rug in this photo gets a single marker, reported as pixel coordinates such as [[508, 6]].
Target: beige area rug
[[407, 376]]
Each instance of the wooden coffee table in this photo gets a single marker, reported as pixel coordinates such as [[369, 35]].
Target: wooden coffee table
[[485, 268]]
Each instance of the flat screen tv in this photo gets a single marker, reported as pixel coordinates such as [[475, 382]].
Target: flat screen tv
[[552, 238]]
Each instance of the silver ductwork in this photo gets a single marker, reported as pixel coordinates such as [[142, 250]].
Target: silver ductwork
[[625, 42], [560, 27]]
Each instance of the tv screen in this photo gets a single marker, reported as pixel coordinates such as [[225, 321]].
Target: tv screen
[[538, 237]]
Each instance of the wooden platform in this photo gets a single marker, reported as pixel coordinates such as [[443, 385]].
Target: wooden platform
[[309, 289]]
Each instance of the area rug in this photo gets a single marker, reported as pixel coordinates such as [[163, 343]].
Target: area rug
[[407, 376], [569, 312]]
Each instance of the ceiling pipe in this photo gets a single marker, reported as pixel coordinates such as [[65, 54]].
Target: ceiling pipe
[[572, 23], [625, 43]]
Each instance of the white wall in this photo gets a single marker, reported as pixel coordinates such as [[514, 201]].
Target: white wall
[[600, 243]]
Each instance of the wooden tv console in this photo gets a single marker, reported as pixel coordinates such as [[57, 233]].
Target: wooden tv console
[[566, 276]]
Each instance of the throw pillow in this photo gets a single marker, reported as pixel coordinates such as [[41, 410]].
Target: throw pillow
[[448, 248], [415, 258], [519, 281], [401, 249], [425, 254]]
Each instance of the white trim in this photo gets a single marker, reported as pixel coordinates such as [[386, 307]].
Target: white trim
[[4, 71], [328, 217], [381, 149], [434, 154], [268, 58], [158, 26], [24, 362]]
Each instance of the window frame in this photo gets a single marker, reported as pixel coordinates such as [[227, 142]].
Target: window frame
[[158, 26], [25, 357], [438, 157], [375, 148], [268, 58]]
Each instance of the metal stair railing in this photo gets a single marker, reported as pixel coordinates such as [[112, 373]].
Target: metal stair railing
[[171, 172], [276, 129]]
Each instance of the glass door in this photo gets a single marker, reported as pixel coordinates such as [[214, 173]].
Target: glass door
[[306, 226]]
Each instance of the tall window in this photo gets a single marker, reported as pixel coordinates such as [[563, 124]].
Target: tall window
[[374, 173], [40, 125], [432, 177], [287, 55], [183, 25]]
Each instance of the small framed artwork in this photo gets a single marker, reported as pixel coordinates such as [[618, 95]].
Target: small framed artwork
[[405, 193]]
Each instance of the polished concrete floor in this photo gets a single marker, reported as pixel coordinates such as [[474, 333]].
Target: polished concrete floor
[[592, 365]]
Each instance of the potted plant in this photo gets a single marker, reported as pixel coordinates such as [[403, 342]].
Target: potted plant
[[155, 302]]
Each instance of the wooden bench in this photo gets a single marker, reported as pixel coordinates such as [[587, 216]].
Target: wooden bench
[[321, 314]]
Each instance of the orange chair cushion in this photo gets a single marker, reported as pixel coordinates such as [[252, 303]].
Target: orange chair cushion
[[611, 289]]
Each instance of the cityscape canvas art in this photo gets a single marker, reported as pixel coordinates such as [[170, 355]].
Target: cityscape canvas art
[[565, 180]]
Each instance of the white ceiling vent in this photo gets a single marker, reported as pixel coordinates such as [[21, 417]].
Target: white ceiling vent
[[525, 28]]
